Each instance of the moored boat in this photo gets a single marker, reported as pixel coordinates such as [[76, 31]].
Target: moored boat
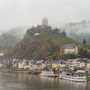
[[47, 73], [73, 78]]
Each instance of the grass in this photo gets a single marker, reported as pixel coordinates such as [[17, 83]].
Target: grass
[[59, 40], [88, 78]]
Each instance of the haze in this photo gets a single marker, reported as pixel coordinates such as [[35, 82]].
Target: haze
[[15, 13]]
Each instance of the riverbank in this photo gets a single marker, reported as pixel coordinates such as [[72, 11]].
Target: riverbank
[[20, 71]]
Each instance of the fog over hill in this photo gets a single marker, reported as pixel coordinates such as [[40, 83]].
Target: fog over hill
[[78, 31], [75, 30], [10, 37]]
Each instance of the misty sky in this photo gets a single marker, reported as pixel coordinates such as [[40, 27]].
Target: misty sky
[[15, 13]]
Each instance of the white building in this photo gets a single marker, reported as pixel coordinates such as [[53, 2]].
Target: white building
[[36, 34], [70, 49], [1, 54]]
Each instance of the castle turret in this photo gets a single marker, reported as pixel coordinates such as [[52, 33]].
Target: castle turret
[[45, 22]]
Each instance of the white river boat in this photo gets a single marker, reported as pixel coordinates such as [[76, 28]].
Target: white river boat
[[73, 78], [47, 73]]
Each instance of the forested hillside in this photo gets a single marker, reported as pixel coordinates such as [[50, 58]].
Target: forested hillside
[[40, 44]]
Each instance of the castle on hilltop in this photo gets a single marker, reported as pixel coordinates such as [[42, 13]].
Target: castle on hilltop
[[45, 29]]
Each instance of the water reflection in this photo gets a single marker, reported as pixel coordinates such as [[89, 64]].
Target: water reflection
[[9, 81]]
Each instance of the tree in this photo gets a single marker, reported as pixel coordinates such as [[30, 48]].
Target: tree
[[84, 42], [84, 53], [56, 30]]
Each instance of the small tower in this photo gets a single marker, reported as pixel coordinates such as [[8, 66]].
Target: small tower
[[45, 22]]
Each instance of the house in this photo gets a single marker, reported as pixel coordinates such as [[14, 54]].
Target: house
[[0, 64], [27, 64], [54, 65], [47, 64], [4, 64], [32, 65], [68, 64], [88, 74], [39, 64], [62, 65], [71, 64], [88, 65], [81, 63], [15, 63], [1, 54], [21, 64], [70, 49]]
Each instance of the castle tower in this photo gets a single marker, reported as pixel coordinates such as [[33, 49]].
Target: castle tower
[[45, 22]]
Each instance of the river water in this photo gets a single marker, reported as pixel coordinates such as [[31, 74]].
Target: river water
[[13, 81]]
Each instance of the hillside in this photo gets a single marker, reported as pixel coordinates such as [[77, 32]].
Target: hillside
[[77, 31], [9, 38], [40, 44]]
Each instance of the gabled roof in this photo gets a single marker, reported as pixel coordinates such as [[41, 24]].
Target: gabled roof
[[70, 46], [40, 61]]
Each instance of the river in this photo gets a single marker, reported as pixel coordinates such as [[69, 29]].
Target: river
[[13, 81]]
